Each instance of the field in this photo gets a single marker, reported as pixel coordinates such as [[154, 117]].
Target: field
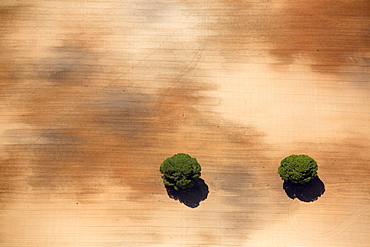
[[94, 95]]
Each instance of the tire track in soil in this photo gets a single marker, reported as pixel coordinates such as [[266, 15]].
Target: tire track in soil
[[151, 52], [326, 235], [198, 55], [187, 69], [200, 9], [39, 177]]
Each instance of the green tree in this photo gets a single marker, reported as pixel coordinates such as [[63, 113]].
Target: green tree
[[179, 171], [298, 169]]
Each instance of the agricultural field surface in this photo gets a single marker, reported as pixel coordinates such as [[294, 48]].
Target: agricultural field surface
[[94, 95]]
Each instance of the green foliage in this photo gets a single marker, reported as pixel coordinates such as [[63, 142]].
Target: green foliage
[[179, 171], [298, 169]]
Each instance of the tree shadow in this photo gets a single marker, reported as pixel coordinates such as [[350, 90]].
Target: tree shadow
[[307, 192], [190, 197]]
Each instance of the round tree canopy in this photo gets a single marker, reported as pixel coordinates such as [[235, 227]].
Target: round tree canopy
[[298, 169], [179, 171]]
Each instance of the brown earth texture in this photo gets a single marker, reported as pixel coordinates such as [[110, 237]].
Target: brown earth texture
[[94, 95]]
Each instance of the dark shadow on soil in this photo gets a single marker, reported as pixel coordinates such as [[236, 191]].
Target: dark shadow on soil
[[190, 197], [308, 192]]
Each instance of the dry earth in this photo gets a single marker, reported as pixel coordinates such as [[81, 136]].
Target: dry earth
[[94, 95]]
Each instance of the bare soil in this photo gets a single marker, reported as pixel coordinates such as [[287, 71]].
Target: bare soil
[[94, 95]]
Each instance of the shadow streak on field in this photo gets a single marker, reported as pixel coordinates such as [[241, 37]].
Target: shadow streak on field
[[191, 197], [309, 192]]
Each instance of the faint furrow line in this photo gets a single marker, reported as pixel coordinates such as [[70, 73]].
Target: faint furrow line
[[152, 52], [342, 190], [326, 235], [346, 223], [138, 63], [293, 220], [193, 62]]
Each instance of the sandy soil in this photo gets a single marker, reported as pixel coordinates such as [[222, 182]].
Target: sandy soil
[[94, 95]]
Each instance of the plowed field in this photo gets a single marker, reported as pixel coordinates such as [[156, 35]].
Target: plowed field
[[94, 95]]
